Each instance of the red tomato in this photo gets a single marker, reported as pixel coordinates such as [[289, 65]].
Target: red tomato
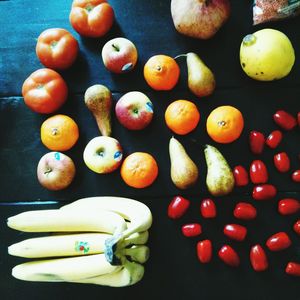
[[235, 232], [293, 268], [91, 18], [44, 91], [274, 139], [257, 142], [278, 241], [228, 255], [208, 209], [244, 211], [288, 206], [177, 207], [240, 176], [204, 251], [282, 162], [296, 227], [56, 48], [296, 176], [264, 192], [191, 230], [284, 120], [258, 172], [258, 258]]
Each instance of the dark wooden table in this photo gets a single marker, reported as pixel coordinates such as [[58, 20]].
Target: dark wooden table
[[173, 271]]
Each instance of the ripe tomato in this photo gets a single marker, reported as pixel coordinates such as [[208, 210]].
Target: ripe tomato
[[56, 48], [44, 91], [91, 18]]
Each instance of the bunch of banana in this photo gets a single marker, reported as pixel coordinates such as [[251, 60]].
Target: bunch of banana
[[97, 240]]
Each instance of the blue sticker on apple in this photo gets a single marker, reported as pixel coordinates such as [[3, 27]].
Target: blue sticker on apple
[[57, 155], [149, 107], [118, 156], [127, 67]]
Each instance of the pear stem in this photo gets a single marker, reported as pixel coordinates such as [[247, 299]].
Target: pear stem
[[180, 55]]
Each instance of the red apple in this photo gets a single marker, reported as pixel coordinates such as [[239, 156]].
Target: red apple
[[55, 171], [119, 55], [134, 110]]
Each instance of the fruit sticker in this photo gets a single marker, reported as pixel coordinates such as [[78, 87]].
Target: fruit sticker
[[82, 247], [118, 156], [57, 155], [149, 107]]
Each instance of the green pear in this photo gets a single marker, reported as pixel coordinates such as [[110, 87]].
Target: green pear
[[98, 100], [219, 179], [184, 172], [201, 80]]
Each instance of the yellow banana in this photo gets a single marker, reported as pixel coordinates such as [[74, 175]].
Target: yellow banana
[[138, 253]]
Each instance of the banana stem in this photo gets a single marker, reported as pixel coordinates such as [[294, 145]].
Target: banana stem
[[138, 254]]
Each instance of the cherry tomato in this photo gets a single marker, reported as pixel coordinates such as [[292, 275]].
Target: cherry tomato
[[264, 192], [208, 209], [240, 176], [44, 91], [296, 227], [244, 211], [56, 48], [258, 172], [293, 268], [296, 176], [191, 230], [278, 241], [204, 251], [288, 206], [91, 18], [229, 256], [282, 162], [258, 258], [235, 232], [284, 120], [257, 142], [177, 207], [274, 139]]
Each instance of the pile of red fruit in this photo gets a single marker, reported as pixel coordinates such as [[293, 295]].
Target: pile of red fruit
[[245, 211]]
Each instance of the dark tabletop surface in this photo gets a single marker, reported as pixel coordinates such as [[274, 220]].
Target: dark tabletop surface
[[173, 271]]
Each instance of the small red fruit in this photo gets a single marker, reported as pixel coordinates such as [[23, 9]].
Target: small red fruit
[[258, 258], [191, 230], [274, 139], [278, 241], [293, 268], [208, 209], [298, 118], [229, 256], [177, 207], [282, 162], [296, 227], [258, 172], [235, 232], [244, 211], [257, 142], [288, 206], [204, 251], [296, 176], [264, 192], [284, 120], [240, 176]]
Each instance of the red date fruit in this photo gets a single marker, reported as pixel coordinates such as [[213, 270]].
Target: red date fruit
[[296, 227], [258, 258], [177, 207], [228, 255], [257, 142], [258, 172], [191, 230], [208, 209], [293, 268], [284, 120], [296, 176], [204, 251], [264, 192], [244, 211], [240, 176], [274, 139], [288, 206], [282, 162], [235, 232], [278, 241]]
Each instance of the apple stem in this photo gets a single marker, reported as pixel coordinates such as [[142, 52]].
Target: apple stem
[[116, 47], [48, 171], [180, 55]]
